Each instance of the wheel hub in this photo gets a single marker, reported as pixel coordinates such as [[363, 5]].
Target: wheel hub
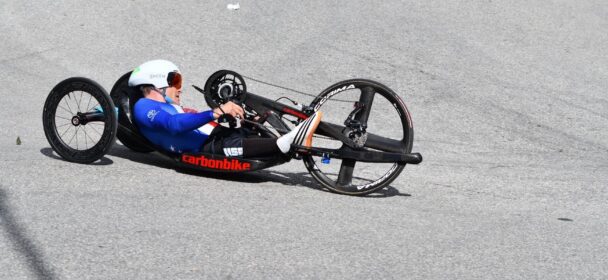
[[357, 133], [225, 91], [355, 129], [75, 121], [359, 138]]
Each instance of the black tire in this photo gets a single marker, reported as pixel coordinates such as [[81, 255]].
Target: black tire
[[70, 88], [120, 95], [334, 93]]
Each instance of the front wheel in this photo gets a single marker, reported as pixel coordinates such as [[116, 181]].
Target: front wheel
[[349, 103], [79, 120]]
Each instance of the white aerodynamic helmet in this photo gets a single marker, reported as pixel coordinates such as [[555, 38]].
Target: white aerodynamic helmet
[[159, 73]]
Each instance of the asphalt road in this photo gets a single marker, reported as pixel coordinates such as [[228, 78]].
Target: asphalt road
[[510, 111]]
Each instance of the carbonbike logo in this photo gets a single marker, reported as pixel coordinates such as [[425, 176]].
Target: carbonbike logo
[[332, 93], [372, 184], [225, 164]]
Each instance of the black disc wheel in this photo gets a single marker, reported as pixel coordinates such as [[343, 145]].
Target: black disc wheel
[[79, 120], [120, 96], [387, 127], [223, 86]]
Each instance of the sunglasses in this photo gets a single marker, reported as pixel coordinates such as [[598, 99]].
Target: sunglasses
[[174, 79]]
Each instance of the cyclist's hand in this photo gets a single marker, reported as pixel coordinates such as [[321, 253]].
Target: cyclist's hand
[[230, 108]]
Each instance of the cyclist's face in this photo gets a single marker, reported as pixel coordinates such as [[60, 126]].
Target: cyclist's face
[[174, 94]]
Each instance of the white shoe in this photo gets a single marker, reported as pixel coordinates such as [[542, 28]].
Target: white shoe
[[301, 135]]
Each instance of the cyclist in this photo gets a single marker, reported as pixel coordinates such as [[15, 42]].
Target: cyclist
[[167, 125]]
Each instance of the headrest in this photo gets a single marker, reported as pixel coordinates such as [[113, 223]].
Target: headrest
[[134, 96]]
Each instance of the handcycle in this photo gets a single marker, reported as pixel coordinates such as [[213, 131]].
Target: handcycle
[[82, 121]]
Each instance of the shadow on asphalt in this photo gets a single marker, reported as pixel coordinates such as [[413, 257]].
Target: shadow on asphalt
[[21, 242], [298, 179], [49, 153]]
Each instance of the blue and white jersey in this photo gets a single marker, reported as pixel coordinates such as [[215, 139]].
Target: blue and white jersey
[[168, 127]]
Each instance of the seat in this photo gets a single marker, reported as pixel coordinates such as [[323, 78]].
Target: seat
[[125, 97]]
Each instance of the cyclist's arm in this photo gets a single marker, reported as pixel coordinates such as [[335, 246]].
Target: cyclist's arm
[[176, 123], [180, 123], [189, 110]]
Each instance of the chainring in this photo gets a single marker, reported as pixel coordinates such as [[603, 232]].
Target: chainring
[[223, 86]]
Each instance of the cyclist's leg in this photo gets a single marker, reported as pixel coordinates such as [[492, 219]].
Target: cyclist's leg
[[255, 147], [239, 142]]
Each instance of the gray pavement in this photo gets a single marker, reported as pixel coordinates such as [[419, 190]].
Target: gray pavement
[[510, 111]]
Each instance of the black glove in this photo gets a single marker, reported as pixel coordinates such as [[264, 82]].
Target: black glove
[[227, 118]]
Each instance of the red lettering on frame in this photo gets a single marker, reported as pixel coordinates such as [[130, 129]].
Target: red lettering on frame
[[222, 164]]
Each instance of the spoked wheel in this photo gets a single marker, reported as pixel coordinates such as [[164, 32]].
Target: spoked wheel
[[367, 110], [120, 96], [79, 120]]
